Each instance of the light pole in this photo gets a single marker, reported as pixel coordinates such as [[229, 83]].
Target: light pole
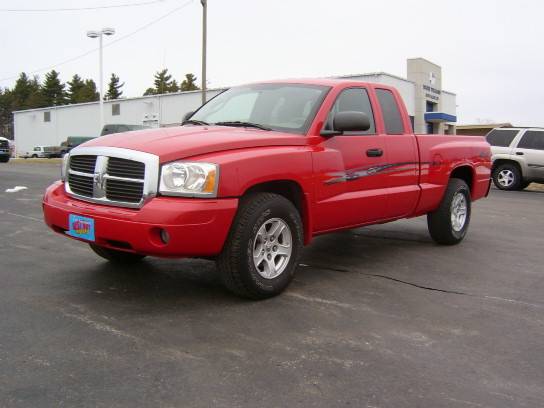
[[204, 40], [100, 34]]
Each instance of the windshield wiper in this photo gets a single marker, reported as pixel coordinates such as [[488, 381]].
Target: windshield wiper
[[243, 124], [195, 122]]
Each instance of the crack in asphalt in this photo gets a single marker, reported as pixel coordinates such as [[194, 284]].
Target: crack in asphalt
[[452, 292]]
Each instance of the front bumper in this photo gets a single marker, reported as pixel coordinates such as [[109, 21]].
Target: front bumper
[[197, 227]]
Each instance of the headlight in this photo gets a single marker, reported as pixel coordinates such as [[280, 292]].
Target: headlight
[[64, 167], [189, 179]]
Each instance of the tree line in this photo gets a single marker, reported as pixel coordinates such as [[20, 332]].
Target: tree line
[[31, 93]]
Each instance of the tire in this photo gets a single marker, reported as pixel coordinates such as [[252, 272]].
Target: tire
[[118, 257], [252, 233], [4, 159], [34, 156], [507, 177], [448, 225]]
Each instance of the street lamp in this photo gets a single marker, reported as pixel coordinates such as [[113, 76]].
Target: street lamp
[[99, 34], [204, 43]]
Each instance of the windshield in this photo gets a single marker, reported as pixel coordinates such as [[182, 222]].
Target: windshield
[[283, 107]]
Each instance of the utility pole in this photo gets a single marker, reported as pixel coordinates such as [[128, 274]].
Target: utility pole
[[204, 43]]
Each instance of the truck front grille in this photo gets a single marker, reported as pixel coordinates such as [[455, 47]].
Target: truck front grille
[[84, 164], [127, 191], [107, 178], [82, 185], [126, 168]]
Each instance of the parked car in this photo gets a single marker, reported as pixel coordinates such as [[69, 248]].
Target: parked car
[[518, 157], [71, 142], [36, 152], [260, 170], [5, 151], [120, 128]]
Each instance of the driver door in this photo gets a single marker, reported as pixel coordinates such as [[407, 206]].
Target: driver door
[[351, 188]]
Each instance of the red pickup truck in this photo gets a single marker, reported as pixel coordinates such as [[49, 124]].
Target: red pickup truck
[[258, 171]]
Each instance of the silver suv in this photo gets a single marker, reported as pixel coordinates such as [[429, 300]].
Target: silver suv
[[518, 157]]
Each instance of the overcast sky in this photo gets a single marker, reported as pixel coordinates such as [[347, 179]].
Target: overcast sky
[[491, 51]]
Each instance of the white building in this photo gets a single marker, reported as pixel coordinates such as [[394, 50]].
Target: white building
[[431, 109]]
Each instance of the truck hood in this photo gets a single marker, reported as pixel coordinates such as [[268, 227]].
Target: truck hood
[[187, 141]]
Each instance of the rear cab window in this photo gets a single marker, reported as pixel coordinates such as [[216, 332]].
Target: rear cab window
[[352, 100], [390, 110], [501, 137]]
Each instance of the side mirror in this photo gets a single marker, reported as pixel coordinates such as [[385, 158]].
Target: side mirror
[[351, 121], [187, 116]]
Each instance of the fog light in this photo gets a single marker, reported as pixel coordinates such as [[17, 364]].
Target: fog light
[[165, 236]]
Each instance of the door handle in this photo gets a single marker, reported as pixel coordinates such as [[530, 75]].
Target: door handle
[[374, 152], [520, 153]]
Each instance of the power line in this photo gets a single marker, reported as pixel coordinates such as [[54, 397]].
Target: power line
[[77, 57], [143, 3]]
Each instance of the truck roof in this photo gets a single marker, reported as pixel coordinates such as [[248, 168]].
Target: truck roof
[[324, 82]]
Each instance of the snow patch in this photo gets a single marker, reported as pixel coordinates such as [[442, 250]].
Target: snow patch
[[15, 189]]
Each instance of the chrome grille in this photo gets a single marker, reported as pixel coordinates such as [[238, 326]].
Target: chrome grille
[[112, 176], [128, 191], [125, 168], [84, 164], [82, 185]]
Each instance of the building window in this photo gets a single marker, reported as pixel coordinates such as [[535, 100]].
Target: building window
[[116, 109], [430, 106], [47, 116]]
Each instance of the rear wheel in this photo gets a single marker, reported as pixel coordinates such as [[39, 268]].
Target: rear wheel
[[448, 225], [115, 256], [265, 242], [507, 177]]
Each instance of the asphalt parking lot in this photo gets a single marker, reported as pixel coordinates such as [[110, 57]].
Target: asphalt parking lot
[[376, 317]]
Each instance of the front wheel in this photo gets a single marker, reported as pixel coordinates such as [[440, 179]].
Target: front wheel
[[119, 257], [263, 248], [448, 225]]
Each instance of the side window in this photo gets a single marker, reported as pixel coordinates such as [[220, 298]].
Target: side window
[[390, 110], [353, 99], [532, 139], [501, 138]]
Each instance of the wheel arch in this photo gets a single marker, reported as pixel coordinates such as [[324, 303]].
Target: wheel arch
[[498, 162], [292, 191], [465, 173]]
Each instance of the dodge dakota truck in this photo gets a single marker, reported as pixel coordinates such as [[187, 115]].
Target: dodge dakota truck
[[258, 171]]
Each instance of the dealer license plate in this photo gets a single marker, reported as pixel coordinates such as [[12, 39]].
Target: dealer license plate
[[81, 227]]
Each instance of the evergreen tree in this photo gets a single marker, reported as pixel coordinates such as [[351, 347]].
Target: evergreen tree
[[189, 83], [53, 89], [89, 92], [6, 101], [75, 88], [114, 88], [163, 83], [174, 87], [21, 92]]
